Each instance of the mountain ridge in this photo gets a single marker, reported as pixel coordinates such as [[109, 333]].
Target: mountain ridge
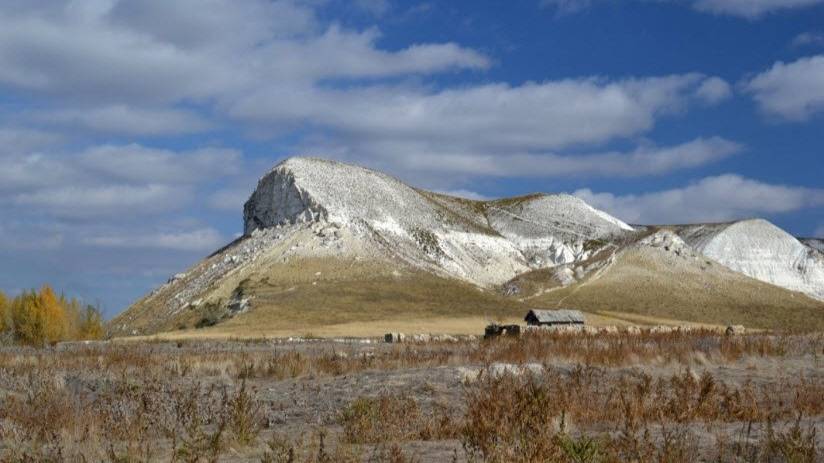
[[307, 209]]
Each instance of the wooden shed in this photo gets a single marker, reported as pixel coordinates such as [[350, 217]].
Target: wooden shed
[[537, 317]]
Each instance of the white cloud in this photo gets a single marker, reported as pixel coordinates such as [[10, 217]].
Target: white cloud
[[566, 6], [105, 200], [229, 199], [18, 140], [110, 181], [161, 52], [643, 161], [711, 199], [792, 91], [136, 163], [808, 39], [374, 7], [202, 239], [495, 117], [751, 8], [127, 120], [714, 90]]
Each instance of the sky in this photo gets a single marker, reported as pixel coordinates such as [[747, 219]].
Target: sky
[[132, 132]]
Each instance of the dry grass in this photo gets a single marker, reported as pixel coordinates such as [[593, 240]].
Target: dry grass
[[659, 284], [210, 401], [328, 297], [377, 328], [590, 416]]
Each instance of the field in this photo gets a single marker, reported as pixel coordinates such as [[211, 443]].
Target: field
[[675, 397]]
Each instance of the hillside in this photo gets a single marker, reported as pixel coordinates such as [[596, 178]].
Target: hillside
[[328, 244], [667, 278]]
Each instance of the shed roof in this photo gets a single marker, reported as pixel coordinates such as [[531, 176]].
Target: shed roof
[[556, 316]]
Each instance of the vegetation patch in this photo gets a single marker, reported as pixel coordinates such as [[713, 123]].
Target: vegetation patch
[[42, 317]]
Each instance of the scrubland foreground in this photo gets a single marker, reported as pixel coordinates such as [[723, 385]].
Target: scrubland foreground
[[669, 397]]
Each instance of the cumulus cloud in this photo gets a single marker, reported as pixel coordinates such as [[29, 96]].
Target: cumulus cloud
[[566, 6], [126, 120], [793, 91], [61, 50], [374, 7], [17, 139], [712, 199], [110, 181], [136, 163], [642, 161], [105, 200], [201, 239], [714, 90], [808, 39], [751, 8], [229, 199], [497, 117]]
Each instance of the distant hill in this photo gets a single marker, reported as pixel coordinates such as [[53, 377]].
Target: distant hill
[[327, 243]]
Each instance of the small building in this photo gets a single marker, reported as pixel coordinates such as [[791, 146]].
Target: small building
[[494, 330], [537, 317]]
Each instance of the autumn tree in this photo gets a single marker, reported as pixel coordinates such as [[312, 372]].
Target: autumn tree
[[90, 324], [55, 322], [38, 318], [41, 317], [4, 324]]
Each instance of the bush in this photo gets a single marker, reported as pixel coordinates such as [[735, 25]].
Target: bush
[[41, 317], [3, 312]]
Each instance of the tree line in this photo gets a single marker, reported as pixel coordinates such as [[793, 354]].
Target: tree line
[[41, 317]]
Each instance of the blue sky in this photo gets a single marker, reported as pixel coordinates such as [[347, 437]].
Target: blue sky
[[132, 132]]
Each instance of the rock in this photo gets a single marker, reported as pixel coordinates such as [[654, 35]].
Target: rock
[[238, 305], [734, 330], [421, 337], [667, 240], [176, 277]]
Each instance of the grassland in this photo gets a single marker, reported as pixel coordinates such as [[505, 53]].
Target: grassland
[[667, 286], [677, 397], [316, 297]]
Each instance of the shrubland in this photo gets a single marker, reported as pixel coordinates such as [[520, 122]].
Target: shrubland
[[610, 397], [41, 317]]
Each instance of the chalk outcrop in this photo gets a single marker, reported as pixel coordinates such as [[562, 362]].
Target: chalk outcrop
[[485, 243], [762, 251], [340, 215]]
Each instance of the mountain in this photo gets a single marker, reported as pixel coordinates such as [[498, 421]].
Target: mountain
[[330, 244], [763, 251]]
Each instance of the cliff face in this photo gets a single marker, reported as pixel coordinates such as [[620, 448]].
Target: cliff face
[[278, 200]]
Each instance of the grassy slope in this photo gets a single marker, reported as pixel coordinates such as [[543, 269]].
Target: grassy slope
[[658, 284], [310, 295]]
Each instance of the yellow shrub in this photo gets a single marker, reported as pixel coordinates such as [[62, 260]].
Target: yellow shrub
[[90, 324], [3, 312], [55, 322], [38, 318], [41, 317]]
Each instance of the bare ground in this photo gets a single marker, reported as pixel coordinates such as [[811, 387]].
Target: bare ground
[[300, 394]]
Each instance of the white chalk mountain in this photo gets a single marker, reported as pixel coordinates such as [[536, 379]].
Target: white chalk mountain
[[323, 235]]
